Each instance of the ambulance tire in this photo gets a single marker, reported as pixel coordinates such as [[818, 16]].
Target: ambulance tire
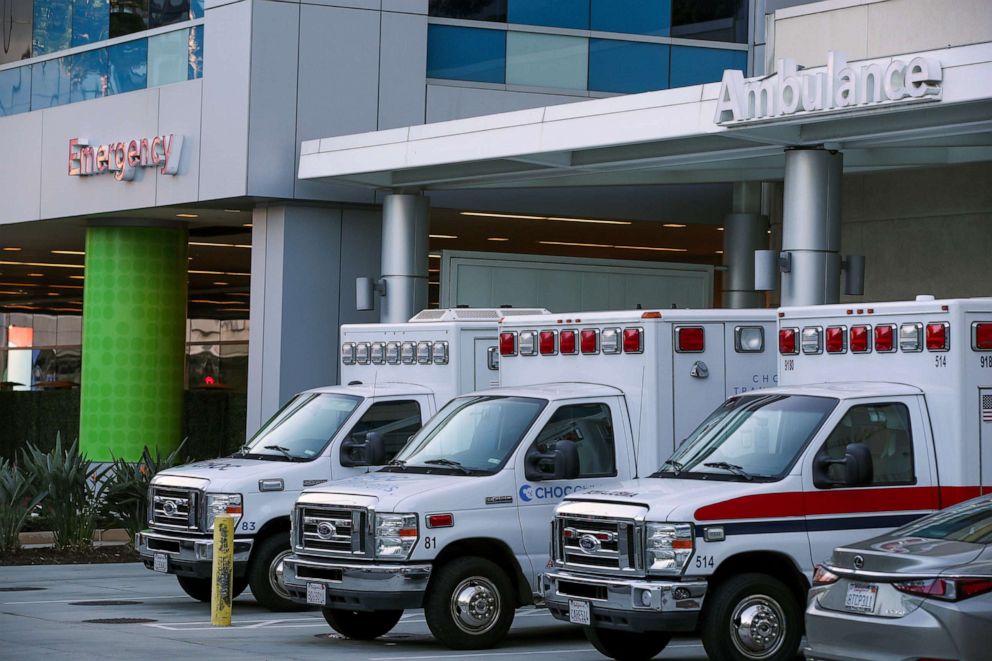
[[358, 625], [626, 645], [264, 574], [774, 615], [200, 588], [470, 604]]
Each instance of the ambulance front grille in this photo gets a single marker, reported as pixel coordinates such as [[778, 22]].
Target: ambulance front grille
[[331, 530], [174, 508], [597, 544]]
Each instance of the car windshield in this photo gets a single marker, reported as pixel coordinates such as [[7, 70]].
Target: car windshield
[[968, 522], [471, 435], [302, 428], [751, 437]]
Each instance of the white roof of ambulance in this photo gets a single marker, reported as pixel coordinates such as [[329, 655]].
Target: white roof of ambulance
[[842, 390]]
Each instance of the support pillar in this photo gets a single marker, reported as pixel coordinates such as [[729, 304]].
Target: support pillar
[[744, 231], [134, 341], [811, 226], [404, 256]]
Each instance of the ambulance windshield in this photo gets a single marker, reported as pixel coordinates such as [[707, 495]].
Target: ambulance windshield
[[752, 437], [302, 428]]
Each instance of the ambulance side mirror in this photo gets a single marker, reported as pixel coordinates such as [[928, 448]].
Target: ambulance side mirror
[[857, 469], [370, 452], [563, 462]]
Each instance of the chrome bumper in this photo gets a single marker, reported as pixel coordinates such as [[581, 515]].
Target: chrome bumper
[[623, 594], [186, 550], [364, 587]]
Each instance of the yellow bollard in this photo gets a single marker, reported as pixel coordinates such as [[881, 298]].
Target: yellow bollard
[[222, 582]]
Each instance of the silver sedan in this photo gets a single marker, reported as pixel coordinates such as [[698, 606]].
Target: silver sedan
[[923, 591]]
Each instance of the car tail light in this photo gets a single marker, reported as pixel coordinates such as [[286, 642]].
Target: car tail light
[[787, 345], [885, 338], [911, 337], [860, 339], [507, 344], [633, 340], [812, 340], [981, 336], [836, 339], [547, 342], [938, 336], [440, 520], [609, 340], [527, 343], [690, 339], [589, 339], [946, 589], [823, 576], [567, 342]]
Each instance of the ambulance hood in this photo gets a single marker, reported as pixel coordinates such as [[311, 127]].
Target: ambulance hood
[[415, 492]]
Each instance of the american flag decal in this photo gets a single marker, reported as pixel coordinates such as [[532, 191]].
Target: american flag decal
[[986, 408]]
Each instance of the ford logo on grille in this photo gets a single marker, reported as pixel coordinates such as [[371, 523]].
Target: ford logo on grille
[[589, 544], [326, 530], [170, 508]]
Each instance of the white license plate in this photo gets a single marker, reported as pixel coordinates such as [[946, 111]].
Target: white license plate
[[316, 594], [861, 597], [578, 612], [161, 563]]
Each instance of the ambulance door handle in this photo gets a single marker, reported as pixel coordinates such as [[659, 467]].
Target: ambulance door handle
[[492, 358], [699, 370]]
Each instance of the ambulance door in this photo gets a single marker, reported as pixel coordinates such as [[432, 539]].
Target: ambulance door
[[486, 363], [985, 436], [698, 374]]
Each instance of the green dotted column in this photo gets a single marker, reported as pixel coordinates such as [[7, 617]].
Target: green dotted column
[[134, 334]]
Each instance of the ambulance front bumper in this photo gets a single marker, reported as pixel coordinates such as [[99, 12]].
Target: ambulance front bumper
[[355, 586], [188, 556]]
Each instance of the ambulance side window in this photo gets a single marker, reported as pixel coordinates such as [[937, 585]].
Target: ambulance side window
[[396, 421], [885, 430], [590, 427]]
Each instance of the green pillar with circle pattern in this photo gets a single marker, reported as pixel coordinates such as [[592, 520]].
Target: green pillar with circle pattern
[[134, 340]]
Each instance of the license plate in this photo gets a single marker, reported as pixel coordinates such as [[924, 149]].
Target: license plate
[[861, 597], [316, 594], [578, 612], [161, 563]]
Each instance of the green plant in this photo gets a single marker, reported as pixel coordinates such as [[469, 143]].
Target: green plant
[[16, 504]]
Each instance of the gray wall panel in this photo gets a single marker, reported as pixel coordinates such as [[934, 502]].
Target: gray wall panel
[[402, 70], [179, 113], [20, 173], [446, 102], [407, 6]]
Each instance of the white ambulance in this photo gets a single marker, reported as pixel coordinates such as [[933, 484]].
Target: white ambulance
[[396, 377], [723, 538], [458, 522]]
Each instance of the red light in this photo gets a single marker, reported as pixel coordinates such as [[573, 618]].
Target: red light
[[508, 344], [440, 520], [632, 340], [690, 339], [787, 341], [824, 576], [566, 342], [546, 341], [209, 380], [884, 337], [589, 340], [946, 589], [983, 337], [568, 533], [859, 339], [938, 336], [835, 340]]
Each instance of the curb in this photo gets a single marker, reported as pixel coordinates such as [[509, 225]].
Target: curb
[[47, 538]]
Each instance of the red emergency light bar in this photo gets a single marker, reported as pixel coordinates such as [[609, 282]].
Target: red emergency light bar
[[690, 339], [787, 345], [548, 342], [885, 335], [981, 336], [836, 339], [567, 342], [508, 344], [589, 340], [860, 339], [633, 340], [939, 336]]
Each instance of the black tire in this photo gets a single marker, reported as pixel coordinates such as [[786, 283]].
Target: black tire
[[776, 620], [359, 625], [627, 645], [470, 604], [200, 588], [264, 578]]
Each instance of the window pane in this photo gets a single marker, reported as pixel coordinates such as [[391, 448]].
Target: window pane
[[128, 17], [396, 421], [717, 20], [49, 84], [15, 91], [167, 12], [545, 60], [476, 10], [884, 430], [635, 16], [195, 53], [694, 66], [556, 13], [90, 21], [87, 75], [128, 66], [51, 26], [16, 31], [196, 8], [168, 58], [590, 427], [466, 53], [626, 66]]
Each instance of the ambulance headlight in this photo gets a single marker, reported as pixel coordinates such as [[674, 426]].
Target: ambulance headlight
[[222, 503], [668, 547], [395, 535]]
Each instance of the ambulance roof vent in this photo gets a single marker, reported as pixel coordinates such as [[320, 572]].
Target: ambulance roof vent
[[924, 298], [474, 314]]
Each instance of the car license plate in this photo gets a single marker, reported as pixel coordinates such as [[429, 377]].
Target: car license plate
[[861, 597], [316, 594], [161, 563], [578, 612]]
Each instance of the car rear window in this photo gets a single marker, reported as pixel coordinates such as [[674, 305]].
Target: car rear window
[[969, 523]]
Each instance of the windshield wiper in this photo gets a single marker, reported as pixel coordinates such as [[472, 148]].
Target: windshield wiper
[[449, 462], [733, 468], [397, 462], [285, 451], [669, 462]]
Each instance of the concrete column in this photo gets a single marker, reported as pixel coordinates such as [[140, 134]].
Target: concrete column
[[744, 231], [811, 226], [134, 341], [404, 256]]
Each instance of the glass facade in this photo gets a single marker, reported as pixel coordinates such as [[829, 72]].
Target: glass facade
[[466, 54], [546, 60]]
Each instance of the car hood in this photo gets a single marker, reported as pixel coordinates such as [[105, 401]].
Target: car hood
[[240, 475], [891, 554]]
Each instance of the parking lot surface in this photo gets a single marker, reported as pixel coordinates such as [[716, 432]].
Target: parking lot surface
[[124, 611]]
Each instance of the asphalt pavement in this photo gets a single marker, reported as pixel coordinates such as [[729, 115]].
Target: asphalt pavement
[[124, 611]]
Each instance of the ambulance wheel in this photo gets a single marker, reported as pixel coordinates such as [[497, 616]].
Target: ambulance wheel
[[754, 617], [470, 604], [626, 645], [200, 588], [361, 625], [265, 574]]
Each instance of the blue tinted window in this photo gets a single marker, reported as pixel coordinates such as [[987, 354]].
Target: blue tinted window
[[196, 52], [90, 21], [51, 26], [128, 17], [466, 53], [87, 75], [627, 66], [128, 66], [196, 8], [713, 20], [694, 66], [475, 10], [49, 84], [15, 91], [556, 13], [167, 12], [635, 16]]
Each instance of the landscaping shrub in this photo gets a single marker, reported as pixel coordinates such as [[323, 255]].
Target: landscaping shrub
[[17, 500]]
